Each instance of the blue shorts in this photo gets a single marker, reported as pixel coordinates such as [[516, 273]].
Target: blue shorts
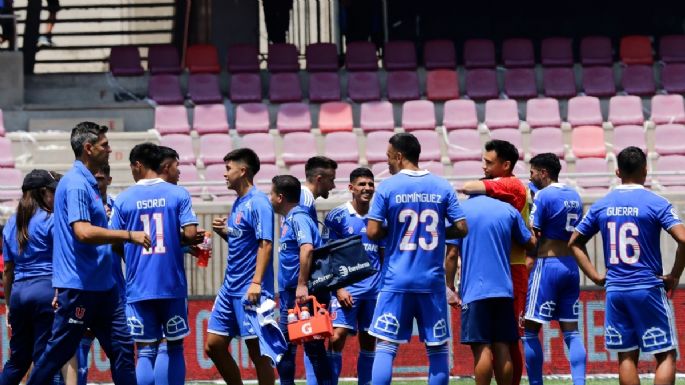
[[357, 317], [154, 319], [393, 319], [639, 319], [488, 320], [553, 291], [228, 317]]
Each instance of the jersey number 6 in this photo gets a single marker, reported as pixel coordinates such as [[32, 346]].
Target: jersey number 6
[[427, 217]]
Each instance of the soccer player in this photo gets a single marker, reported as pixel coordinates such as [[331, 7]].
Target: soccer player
[[82, 269], [249, 272], [353, 306], [415, 204], [638, 316], [499, 160], [319, 172], [553, 286], [156, 287], [168, 169], [299, 237]]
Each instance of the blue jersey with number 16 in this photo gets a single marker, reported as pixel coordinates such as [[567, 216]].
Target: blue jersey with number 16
[[556, 211]]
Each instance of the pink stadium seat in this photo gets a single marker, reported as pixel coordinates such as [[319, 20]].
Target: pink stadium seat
[[163, 59], [285, 87], [215, 173], [556, 52], [245, 88], [125, 61], [593, 183], [297, 170], [342, 146], [481, 84], [430, 146], [322, 57], [442, 84], [361, 56], [399, 56], [335, 116], [418, 115], [460, 114], [668, 109], [670, 163], [189, 174], [262, 144], [596, 51], [165, 89], [521, 169], [518, 53], [599, 81], [242, 58], [433, 167], [282, 58], [251, 118], [344, 170], [673, 77], [2, 124], [183, 144], [363, 86], [636, 49], [588, 142], [204, 89], [584, 110], [439, 54], [669, 139], [464, 144], [625, 110], [377, 146], [638, 80], [210, 119], [213, 148], [171, 120], [546, 139], [511, 135], [263, 178], [519, 83], [501, 114], [559, 82], [11, 177], [672, 48], [543, 113], [629, 135], [6, 159], [324, 87], [377, 116], [466, 170], [293, 117], [298, 147], [380, 170], [402, 86], [479, 53], [202, 58]]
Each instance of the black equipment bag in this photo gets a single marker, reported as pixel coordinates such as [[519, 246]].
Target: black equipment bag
[[339, 263]]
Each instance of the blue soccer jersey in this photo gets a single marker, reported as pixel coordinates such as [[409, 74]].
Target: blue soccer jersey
[[630, 219], [35, 259], [415, 205], [297, 229], [160, 209], [307, 202], [344, 221], [251, 220], [557, 209]]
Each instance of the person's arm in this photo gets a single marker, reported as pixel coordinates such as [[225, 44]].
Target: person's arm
[[458, 230], [671, 280], [7, 281], [473, 187], [87, 233], [375, 230], [263, 260], [451, 262], [579, 251], [306, 256], [531, 245], [191, 236], [219, 227]]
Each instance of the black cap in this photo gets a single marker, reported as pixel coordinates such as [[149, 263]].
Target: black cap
[[37, 179]]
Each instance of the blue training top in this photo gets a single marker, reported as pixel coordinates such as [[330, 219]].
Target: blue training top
[[35, 260], [297, 229], [557, 209]]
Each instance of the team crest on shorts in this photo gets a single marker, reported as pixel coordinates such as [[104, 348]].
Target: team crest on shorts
[[80, 312]]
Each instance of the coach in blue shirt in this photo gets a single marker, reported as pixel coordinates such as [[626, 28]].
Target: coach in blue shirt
[[82, 267]]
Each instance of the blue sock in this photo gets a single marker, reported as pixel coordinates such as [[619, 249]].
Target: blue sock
[[316, 350], [57, 379], [382, 364], [146, 362], [439, 366], [364, 366], [577, 356], [82, 357], [170, 365], [335, 358], [533, 351], [286, 366], [309, 374]]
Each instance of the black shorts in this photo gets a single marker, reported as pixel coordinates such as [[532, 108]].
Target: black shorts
[[53, 6], [487, 321]]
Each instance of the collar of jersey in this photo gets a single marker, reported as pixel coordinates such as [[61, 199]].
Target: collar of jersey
[[351, 210], [85, 172], [415, 173], [631, 186], [558, 185], [149, 182]]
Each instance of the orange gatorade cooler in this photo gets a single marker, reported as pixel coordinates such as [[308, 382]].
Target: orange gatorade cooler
[[318, 325]]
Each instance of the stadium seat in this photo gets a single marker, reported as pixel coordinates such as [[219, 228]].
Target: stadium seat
[[402, 86], [464, 144], [282, 57], [625, 110], [668, 109], [439, 54], [293, 117], [418, 115], [377, 146], [202, 58], [245, 88], [344, 170], [363, 86], [442, 84], [210, 119], [670, 163], [599, 81], [377, 116], [163, 59], [511, 135], [673, 78], [298, 147], [171, 120], [433, 167], [546, 139], [588, 142], [251, 118], [324, 87], [479, 53], [242, 58], [596, 51], [669, 139], [11, 177], [399, 56], [672, 49], [262, 144], [266, 173], [596, 184], [125, 61], [297, 170], [629, 135], [380, 170], [559, 82], [335, 116], [215, 173], [638, 80], [322, 57], [460, 114], [165, 89], [556, 52], [430, 146], [2, 124], [466, 170], [543, 113], [636, 49], [213, 148], [481, 84], [584, 110], [518, 53], [189, 174], [204, 89], [183, 144], [361, 56], [6, 158], [285, 87], [342, 146], [519, 83], [501, 114]]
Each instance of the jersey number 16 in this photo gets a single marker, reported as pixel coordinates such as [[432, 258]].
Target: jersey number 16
[[624, 239]]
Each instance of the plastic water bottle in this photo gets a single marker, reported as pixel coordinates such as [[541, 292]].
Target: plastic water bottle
[[291, 316], [304, 313], [204, 250]]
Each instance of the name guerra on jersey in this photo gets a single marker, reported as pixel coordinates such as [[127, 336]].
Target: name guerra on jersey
[[622, 211], [418, 197]]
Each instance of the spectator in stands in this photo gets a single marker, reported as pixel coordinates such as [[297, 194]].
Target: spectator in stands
[[7, 23], [277, 19], [53, 8]]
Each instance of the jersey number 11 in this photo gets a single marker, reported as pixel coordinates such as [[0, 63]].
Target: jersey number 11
[[159, 233]]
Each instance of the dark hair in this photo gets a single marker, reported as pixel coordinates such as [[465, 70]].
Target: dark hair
[[167, 153], [359, 173], [407, 145], [505, 151], [147, 154], [549, 162], [316, 163], [287, 185], [247, 156], [31, 200], [85, 132], [105, 170], [631, 160]]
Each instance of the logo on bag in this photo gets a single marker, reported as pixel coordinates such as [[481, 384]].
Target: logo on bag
[[80, 312], [306, 328], [343, 271]]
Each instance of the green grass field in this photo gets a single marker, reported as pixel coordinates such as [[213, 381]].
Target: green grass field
[[468, 381]]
